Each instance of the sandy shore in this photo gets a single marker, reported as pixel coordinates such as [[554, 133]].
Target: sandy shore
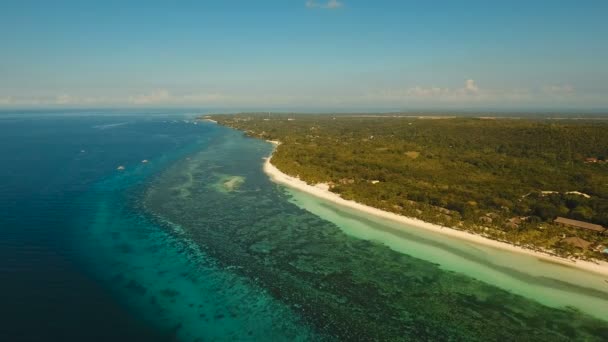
[[321, 191]]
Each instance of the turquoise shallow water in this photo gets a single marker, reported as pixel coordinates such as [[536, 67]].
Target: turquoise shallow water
[[549, 283]]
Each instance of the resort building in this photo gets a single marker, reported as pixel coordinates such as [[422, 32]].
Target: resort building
[[591, 160], [579, 224], [577, 242]]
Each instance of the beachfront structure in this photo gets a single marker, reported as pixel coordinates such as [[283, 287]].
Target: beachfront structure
[[601, 248], [577, 242], [579, 224]]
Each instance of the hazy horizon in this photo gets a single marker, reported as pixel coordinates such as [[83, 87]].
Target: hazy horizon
[[196, 111]]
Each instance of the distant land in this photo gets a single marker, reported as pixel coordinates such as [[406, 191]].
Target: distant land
[[537, 181]]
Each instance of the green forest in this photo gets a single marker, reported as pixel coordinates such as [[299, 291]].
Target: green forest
[[505, 178]]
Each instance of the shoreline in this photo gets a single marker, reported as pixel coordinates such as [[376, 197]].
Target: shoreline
[[319, 191]]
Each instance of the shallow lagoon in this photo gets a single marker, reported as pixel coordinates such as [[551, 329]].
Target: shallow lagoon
[[551, 284]]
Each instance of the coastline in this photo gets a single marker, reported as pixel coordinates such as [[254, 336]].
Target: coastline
[[323, 192]]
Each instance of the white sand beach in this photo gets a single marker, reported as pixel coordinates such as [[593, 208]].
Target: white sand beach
[[322, 191]]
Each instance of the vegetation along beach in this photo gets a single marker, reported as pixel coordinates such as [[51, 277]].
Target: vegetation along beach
[[484, 176]]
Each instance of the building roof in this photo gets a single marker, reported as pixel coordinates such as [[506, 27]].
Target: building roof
[[515, 220], [577, 242], [579, 224]]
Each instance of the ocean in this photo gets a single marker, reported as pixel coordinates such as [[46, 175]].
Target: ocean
[[192, 242]]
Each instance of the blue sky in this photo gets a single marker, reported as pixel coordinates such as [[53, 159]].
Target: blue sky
[[346, 54]]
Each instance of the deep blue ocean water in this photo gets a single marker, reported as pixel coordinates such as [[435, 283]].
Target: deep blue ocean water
[[47, 164]]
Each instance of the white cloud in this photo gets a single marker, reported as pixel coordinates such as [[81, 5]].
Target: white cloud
[[470, 91], [558, 90], [419, 91], [471, 87], [468, 94], [155, 97], [5, 101], [163, 96], [331, 4], [203, 98], [65, 99]]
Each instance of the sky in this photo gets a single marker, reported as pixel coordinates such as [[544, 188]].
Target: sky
[[305, 54]]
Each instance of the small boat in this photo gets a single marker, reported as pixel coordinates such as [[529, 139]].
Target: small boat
[[144, 161], [120, 168]]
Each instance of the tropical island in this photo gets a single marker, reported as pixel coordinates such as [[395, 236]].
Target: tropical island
[[540, 183]]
